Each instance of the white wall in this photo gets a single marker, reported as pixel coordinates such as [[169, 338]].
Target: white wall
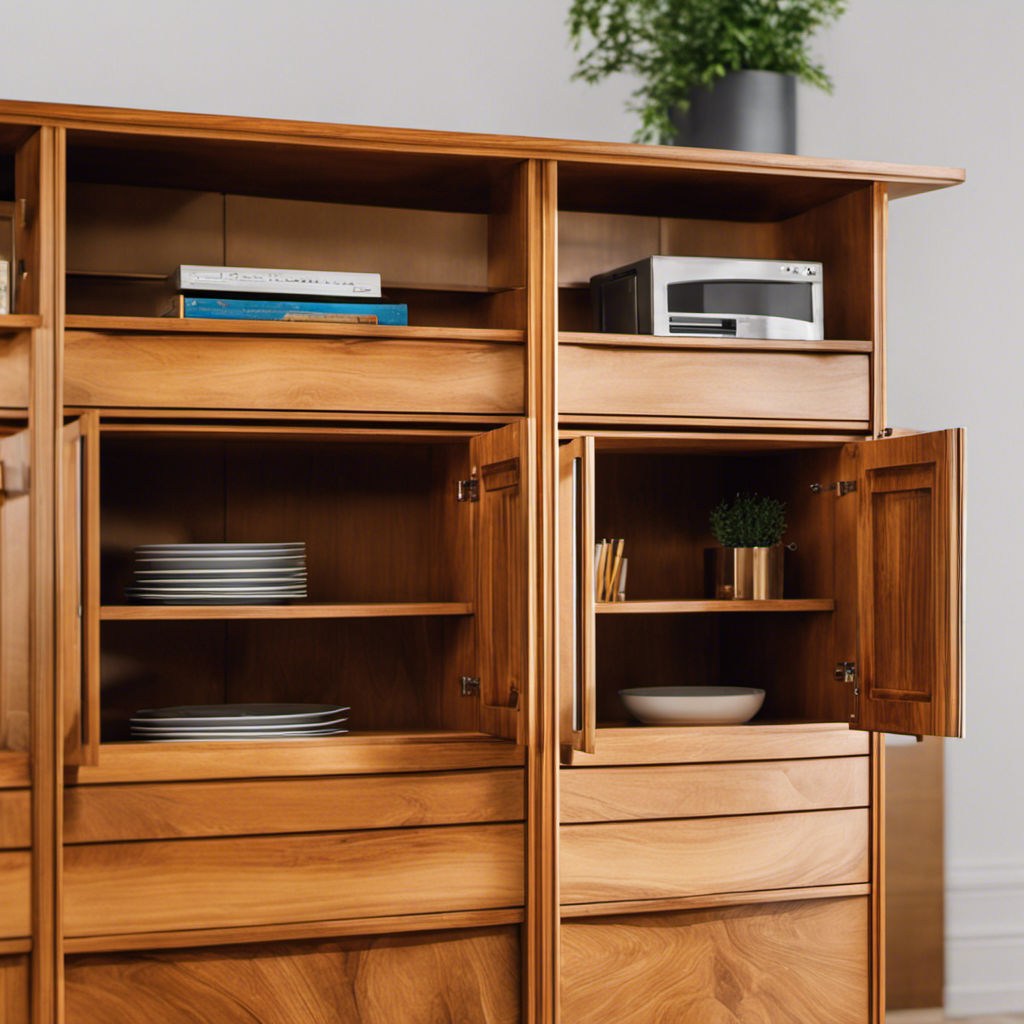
[[920, 81]]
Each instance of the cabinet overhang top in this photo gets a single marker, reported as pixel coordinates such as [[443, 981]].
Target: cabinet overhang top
[[585, 165]]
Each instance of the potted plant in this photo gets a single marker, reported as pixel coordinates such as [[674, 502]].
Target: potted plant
[[719, 74], [748, 565]]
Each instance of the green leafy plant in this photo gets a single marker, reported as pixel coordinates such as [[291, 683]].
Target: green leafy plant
[[678, 45], [749, 522]]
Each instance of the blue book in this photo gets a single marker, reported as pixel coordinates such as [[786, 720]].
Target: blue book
[[390, 314]]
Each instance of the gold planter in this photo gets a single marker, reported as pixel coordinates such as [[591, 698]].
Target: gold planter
[[744, 574]]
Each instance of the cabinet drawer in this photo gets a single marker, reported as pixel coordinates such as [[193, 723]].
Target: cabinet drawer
[[427, 978], [15, 819], [15, 890], [702, 790], [197, 371], [609, 381], [107, 814], [775, 963], [121, 888], [641, 860], [14, 989]]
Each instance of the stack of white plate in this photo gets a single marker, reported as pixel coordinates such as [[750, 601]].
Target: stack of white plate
[[219, 573], [240, 722]]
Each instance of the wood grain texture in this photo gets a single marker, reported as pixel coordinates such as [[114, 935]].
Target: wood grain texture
[[770, 964], [103, 814], [693, 607], [909, 524], [650, 744], [17, 322], [197, 883], [15, 819], [752, 787], [679, 382], [15, 600], [915, 887], [14, 989], [15, 894], [425, 978], [204, 371], [711, 855], [289, 611], [355, 754], [642, 341], [14, 371]]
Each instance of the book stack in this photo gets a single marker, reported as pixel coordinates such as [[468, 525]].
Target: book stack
[[610, 571], [252, 293]]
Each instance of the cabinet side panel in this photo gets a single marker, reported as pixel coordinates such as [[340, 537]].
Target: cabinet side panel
[[426, 978], [776, 963]]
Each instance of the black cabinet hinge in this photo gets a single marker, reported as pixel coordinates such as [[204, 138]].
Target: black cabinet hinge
[[468, 490]]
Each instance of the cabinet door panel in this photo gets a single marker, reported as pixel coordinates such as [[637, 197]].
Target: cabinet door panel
[[909, 614], [501, 467], [576, 664], [14, 989], [775, 963], [422, 978], [640, 860]]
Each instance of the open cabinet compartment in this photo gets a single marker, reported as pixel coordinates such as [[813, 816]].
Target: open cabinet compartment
[[410, 590], [872, 589], [443, 230]]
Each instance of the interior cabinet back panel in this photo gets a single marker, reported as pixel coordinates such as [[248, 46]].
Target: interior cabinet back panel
[[603, 380], [287, 373], [640, 860], [699, 790], [778, 963], [122, 888], [423, 978]]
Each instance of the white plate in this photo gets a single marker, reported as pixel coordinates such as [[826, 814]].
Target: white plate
[[221, 546], [209, 564], [211, 583], [242, 572], [225, 737], [151, 725], [693, 705], [231, 714]]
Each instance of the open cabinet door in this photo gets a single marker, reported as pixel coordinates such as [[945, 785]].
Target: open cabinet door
[[501, 471], [79, 590], [576, 659], [906, 527], [15, 572]]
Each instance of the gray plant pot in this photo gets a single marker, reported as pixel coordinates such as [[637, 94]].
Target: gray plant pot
[[749, 110]]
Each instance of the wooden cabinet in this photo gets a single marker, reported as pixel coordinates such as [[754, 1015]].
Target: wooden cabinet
[[493, 841]]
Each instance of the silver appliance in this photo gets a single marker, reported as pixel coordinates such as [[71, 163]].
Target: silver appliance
[[701, 296]]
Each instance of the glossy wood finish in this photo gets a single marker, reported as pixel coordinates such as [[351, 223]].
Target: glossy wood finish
[[202, 370], [909, 581], [745, 385], [641, 341], [14, 989], [212, 883], [179, 613], [15, 894], [652, 744], [500, 464], [712, 855], [714, 607], [427, 978], [770, 964], [15, 819], [104, 814], [15, 346], [752, 787]]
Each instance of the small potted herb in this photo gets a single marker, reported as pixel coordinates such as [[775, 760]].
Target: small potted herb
[[749, 562]]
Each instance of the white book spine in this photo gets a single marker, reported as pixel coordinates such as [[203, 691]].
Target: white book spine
[[264, 281]]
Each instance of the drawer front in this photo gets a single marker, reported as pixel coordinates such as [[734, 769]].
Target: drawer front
[[426, 977], [107, 814], [776, 963], [609, 381], [15, 819], [14, 989], [641, 860], [214, 372], [122, 888], [699, 790], [15, 894]]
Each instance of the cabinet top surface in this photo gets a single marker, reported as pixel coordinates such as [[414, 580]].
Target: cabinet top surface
[[903, 179]]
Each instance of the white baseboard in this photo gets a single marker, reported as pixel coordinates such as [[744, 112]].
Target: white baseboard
[[985, 938]]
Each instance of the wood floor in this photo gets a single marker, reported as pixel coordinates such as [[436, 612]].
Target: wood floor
[[938, 1017]]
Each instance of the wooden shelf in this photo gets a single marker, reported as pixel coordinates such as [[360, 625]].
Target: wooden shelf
[[269, 328], [284, 611], [742, 344], [356, 753], [19, 322], [810, 604]]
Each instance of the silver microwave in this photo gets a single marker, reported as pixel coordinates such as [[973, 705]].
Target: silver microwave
[[700, 296]]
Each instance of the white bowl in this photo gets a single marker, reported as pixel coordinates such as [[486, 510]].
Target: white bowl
[[693, 705]]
